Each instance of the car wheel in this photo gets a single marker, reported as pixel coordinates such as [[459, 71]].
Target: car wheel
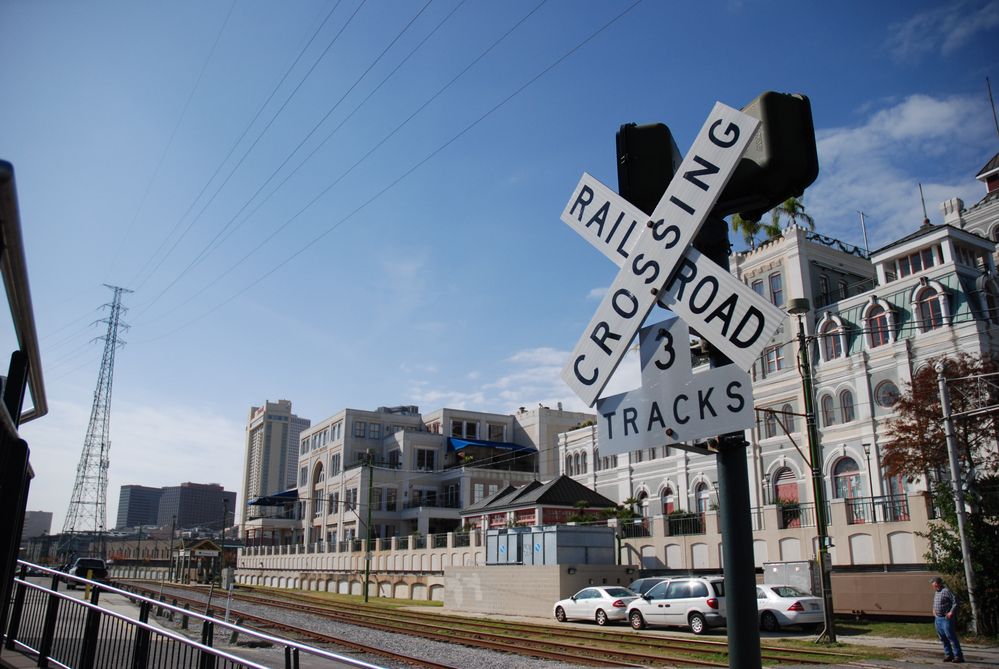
[[560, 614], [601, 617], [637, 620], [768, 621], [698, 625]]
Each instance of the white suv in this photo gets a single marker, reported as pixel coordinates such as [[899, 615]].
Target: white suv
[[697, 603]]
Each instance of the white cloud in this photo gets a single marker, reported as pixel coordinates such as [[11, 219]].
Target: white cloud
[[943, 29], [150, 445], [597, 293], [877, 166]]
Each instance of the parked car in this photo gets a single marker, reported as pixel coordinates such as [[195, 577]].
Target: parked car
[[601, 604], [783, 605], [696, 602], [643, 585], [92, 568]]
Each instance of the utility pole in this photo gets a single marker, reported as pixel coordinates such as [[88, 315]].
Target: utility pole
[[225, 512], [173, 531], [955, 479], [799, 307], [367, 544]]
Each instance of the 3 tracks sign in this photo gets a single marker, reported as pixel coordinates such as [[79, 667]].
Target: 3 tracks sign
[[657, 265]]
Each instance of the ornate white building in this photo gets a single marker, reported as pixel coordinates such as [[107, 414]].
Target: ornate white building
[[875, 319]]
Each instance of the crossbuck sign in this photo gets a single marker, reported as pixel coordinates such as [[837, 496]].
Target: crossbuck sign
[[657, 266]]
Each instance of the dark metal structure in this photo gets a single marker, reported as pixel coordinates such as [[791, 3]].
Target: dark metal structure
[[88, 503], [24, 375]]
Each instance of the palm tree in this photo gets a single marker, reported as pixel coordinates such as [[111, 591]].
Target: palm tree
[[793, 209], [748, 228]]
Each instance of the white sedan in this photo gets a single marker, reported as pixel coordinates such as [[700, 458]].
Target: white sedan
[[783, 605], [601, 604]]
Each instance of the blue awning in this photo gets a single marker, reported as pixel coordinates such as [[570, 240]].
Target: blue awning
[[276, 499], [456, 444]]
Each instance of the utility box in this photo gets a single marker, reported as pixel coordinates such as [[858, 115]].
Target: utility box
[[550, 545], [802, 574]]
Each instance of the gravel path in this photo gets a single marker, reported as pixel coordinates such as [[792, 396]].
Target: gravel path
[[452, 654]]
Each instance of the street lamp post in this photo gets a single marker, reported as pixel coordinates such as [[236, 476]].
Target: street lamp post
[[799, 307], [870, 480]]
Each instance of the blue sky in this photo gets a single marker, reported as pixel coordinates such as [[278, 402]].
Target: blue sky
[[357, 203]]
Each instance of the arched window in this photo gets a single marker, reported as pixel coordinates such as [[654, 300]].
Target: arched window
[[785, 485], [877, 326], [702, 497], [667, 500], [929, 310], [576, 467], [584, 462], [788, 417], [568, 464], [832, 341], [643, 504], [846, 479], [828, 411], [846, 406]]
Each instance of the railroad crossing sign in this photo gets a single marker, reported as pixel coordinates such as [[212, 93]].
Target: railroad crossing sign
[[673, 402], [659, 247], [656, 265]]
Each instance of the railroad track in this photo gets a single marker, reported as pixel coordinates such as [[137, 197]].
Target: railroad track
[[567, 644]]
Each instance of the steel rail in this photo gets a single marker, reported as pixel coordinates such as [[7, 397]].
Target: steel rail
[[684, 647], [626, 637]]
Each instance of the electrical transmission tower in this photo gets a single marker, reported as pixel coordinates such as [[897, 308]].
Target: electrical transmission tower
[[87, 506]]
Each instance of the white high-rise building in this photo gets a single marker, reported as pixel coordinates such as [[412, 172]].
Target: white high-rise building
[[271, 458]]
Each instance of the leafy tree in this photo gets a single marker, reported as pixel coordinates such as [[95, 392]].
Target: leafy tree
[[946, 557], [916, 442], [916, 447]]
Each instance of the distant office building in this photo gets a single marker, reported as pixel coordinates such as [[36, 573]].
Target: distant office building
[[271, 459], [138, 505], [196, 505], [36, 523]]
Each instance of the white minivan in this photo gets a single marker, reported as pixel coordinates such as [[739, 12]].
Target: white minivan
[[696, 602]]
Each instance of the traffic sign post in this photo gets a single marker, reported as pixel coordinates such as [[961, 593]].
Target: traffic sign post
[[674, 404]]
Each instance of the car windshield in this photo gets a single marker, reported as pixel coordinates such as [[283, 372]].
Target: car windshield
[[788, 591], [620, 592], [90, 564]]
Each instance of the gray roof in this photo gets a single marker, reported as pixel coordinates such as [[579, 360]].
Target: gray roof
[[562, 491]]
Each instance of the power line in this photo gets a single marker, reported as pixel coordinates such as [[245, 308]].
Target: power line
[[239, 140], [173, 134], [393, 183], [208, 248]]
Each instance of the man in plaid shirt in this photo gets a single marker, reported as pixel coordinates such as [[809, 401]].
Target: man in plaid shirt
[[944, 611]]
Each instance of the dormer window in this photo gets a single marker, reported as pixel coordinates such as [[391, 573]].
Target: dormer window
[[877, 324], [832, 336], [929, 305], [930, 313]]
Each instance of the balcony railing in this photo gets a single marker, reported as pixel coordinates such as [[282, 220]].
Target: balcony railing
[[432, 503], [637, 527], [884, 509], [685, 523]]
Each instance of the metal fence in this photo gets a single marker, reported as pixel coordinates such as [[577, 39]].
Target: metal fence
[[69, 632]]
